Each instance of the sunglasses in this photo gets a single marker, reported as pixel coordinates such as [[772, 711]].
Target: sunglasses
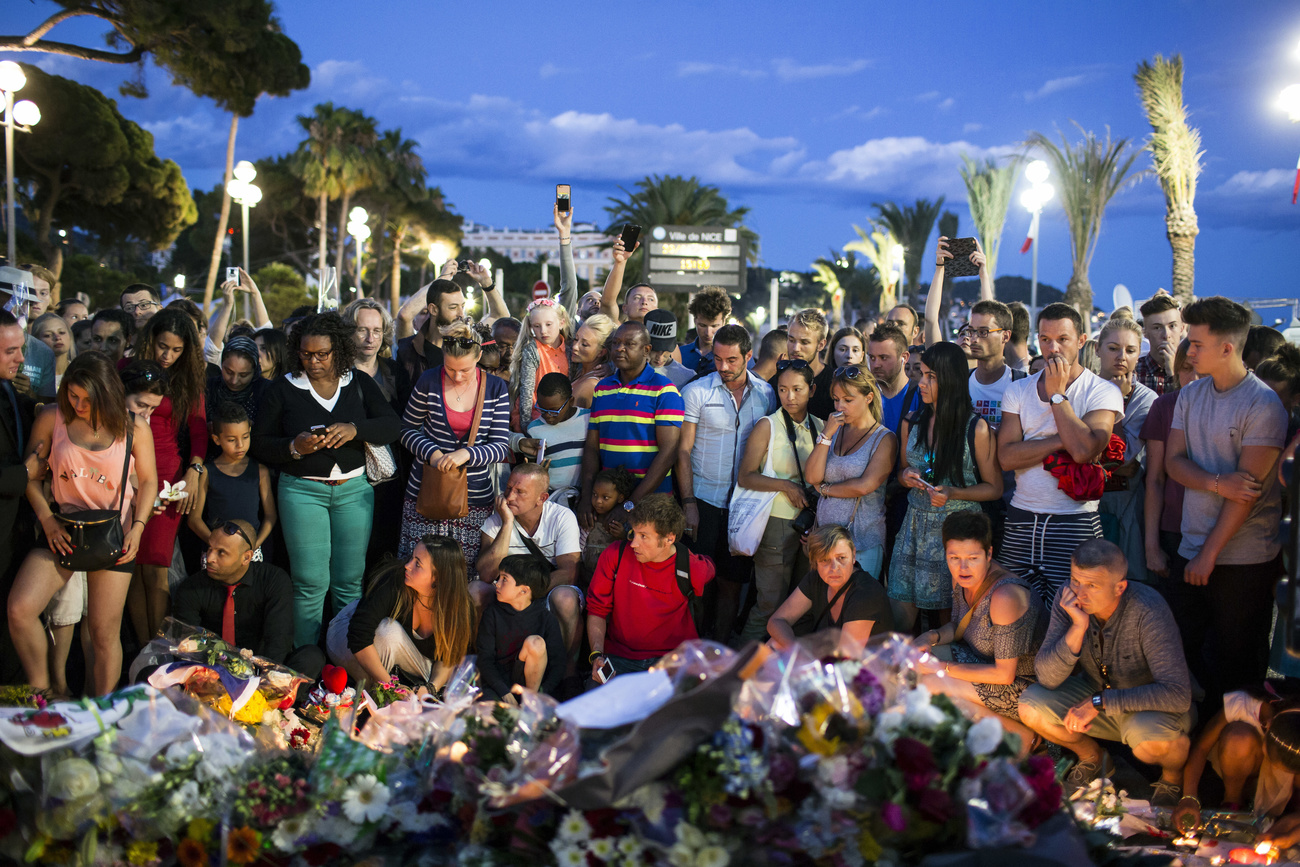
[[546, 411], [461, 342], [319, 356], [141, 376], [233, 529], [851, 372], [796, 364]]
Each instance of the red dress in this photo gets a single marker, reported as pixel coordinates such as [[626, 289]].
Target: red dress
[[159, 539]]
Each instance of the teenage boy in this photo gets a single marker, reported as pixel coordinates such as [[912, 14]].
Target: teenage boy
[[805, 340], [1227, 433], [1163, 328], [711, 308], [661, 325], [1062, 408], [519, 640]]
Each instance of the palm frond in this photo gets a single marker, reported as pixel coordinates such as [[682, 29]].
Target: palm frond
[[911, 225], [1175, 147], [988, 195]]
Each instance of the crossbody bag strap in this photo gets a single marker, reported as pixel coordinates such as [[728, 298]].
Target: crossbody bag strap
[[126, 461], [985, 588], [684, 573], [836, 598], [478, 409], [794, 446], [970, 445]]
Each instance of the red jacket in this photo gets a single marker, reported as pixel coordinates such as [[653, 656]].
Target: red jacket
[[645, 608]]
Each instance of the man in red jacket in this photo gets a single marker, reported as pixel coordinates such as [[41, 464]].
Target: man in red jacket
[[636, 608]]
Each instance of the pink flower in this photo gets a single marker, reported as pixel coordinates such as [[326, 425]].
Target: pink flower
[[892, 815]]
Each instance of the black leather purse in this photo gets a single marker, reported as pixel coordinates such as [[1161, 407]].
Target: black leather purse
[[807, 517], [96, 535]]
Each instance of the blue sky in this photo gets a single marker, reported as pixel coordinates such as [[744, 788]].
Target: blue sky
[[807, 113]]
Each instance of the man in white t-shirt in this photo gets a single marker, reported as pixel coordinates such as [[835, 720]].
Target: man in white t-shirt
[[525, 522], [1062, 408]]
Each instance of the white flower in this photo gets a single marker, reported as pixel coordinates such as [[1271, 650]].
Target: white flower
[[71, 779], [408, 817], [574, 828], [337, 830], [179, 753], [712, 856], [602, 848], [366, 800], [630, 847], [223, 754], [888, 724], [918, 711], [681, 855], [690, 836], [184, 796], [290, 831], [984, 737], [569, 856]]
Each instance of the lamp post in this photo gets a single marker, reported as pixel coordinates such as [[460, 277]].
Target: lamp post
[[438, 256], [242, 190], [897, 256], [359, 231], [1289, 101], [1038, 194], [22, 117]]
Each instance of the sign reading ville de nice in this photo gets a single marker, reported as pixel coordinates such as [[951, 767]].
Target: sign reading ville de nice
[[693, 256]]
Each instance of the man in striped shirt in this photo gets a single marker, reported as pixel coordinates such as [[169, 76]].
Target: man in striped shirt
[[636, 421]]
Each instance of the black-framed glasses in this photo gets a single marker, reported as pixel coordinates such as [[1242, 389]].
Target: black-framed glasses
[[851, 372], [979, 333], [139, 308], [461, 342], [546, 411], [232, 529], [791, 364], [322, 355]]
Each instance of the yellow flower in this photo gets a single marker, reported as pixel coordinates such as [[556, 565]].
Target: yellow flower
[[868, 848], [200, 829], [141, 852], [816, 724], [251, 712]]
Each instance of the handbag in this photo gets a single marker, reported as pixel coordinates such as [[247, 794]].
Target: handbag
[[747, 515], [807, 517], [380, 464], [444, 496], [96, 535]]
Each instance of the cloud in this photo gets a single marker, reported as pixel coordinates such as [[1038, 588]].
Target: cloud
[[788, 70], [1055, 85], [971, 127], [946, 104], [928, 96], [911, 165], [855, 111], [348, 79], [1256, 183], [693, 67]]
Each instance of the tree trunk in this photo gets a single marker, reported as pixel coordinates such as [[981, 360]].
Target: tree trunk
[[341, 242], [1181, 229], [395, 290], [53, 253], [1078, 294], [219, 241]]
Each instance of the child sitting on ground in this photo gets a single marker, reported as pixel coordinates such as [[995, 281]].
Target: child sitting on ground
[[519, 640], [234, 486], [611, 489]]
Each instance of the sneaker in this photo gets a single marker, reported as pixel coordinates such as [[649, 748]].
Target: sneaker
[[1084, 773], [1166, 794]]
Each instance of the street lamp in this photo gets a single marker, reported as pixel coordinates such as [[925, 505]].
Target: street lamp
[[242, 190], [438, 255], [1039, 193], [179, 282], [21, 117], [359, 231], [896, 257], [1289, 101]]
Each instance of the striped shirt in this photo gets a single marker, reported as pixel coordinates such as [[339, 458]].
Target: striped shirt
[[625, 417], [425, 431], [564, 444]]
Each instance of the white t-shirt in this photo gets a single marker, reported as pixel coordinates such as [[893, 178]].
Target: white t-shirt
[[1036, 488], [986, 400], [557, 532]]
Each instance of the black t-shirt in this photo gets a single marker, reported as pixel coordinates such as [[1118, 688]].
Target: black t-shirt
[[864, 600], [820, 404], [414, 362]]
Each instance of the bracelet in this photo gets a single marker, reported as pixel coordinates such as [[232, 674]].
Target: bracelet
[[689, 501], [489, 287], [825, 441], [1216, 484], [591, 657], [566, 241], [137, 521]]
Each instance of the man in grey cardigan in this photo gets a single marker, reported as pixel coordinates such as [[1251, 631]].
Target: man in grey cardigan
[[1112, 668]]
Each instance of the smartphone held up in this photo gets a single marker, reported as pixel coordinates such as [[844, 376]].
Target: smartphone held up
[[629, 236], [563, 199]]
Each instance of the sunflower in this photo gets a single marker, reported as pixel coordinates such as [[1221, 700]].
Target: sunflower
[[243, 846], [192, 853]]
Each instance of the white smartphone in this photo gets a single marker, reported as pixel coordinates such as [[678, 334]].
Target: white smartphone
[[232, 275], [605, 673]]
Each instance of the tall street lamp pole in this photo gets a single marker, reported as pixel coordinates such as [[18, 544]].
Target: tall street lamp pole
[[359, 231], [242, 189], [1033, 199], [22, 117], [1289, 101]]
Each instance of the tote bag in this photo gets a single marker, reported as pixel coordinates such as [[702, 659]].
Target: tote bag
[[748, 514]]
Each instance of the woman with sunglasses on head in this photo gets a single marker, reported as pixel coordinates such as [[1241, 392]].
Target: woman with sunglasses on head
[[949, 465], [436, 429], [82, 439], [313, 426], [851, 463], [788, 436]]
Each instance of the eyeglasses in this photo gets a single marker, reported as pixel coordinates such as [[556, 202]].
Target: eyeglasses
[[139, 308], [796, 364], [322, 355], [546, 411], [233, 529], [488, 369], [978, 333], [851, 372], [462, 342]]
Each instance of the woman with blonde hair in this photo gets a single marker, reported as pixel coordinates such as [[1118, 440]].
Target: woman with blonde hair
[[589, 357], [50, 329], [851, 462], [543, 348], [415, 622]]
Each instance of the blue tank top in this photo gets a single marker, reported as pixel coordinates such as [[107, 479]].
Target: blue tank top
[[233, 497]]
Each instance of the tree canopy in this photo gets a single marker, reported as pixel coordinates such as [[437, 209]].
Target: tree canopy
[[231, 52]]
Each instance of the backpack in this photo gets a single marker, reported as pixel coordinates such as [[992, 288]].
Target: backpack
[[694, 603]]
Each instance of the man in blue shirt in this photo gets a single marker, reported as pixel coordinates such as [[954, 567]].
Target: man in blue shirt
[[711, 308], [887, 353]]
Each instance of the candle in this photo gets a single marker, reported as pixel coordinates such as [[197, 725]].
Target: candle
[[1188, 842], [1264, 853]]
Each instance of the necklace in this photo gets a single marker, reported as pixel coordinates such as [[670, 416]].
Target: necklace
[[459, 393], [848, 450]]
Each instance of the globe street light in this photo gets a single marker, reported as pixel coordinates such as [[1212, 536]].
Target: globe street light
[[21, 117], [359, 231], [242, 190], [1289, 101], [1033, 200], [438, 255]]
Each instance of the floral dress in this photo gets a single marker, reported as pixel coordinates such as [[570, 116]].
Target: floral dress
[[984, 642], [918, 570]]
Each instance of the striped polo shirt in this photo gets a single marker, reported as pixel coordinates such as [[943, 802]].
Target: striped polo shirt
[[625, 417], [565, 442]]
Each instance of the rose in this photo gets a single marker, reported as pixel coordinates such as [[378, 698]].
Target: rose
[[913, 757], [71, 779], [933, 804], [892, 815], [984, 737]]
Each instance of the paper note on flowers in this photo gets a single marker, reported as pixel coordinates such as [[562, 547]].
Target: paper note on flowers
[[625, 699]]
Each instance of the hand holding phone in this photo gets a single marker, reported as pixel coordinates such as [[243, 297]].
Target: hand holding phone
[[563, 199], [232, 275], [960, 265], [629, 236], [605, 673]]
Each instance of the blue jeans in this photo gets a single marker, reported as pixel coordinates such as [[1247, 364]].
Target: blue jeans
[[327, 530]]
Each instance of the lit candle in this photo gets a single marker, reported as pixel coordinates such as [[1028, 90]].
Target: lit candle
[[1264, 853]]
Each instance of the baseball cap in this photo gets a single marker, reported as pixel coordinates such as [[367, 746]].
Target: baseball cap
[[662, 327]]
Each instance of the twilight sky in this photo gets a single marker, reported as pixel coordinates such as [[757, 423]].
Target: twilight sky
[[806, 113]]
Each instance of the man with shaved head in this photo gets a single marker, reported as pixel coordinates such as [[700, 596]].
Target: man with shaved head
[[636, 420]]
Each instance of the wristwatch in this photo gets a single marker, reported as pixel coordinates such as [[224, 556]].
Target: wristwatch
[[1098, 702], [198, 468], [1058, 399], [293, 451]]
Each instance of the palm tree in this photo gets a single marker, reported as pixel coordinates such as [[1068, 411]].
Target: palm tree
[[1091, 172], [911, 225], [328, 162], [673, 200], [401, 183], [1176, 154], [878, 248], [988, 195]]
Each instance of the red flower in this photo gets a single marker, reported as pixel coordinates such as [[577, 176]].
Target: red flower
[[913, 757], [933, 804], [192, 853], [892, 815], [917, 782], [8, 821], [321, 853]]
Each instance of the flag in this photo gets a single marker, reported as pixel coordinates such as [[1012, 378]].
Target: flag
[[1295, 188], [1033, 234]]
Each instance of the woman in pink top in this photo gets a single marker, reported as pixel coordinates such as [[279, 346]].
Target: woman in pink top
[[82, 440]]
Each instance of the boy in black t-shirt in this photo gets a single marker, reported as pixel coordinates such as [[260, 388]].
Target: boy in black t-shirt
[[519, 640]]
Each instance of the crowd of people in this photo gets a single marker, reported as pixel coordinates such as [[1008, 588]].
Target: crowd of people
[[1086, 538]]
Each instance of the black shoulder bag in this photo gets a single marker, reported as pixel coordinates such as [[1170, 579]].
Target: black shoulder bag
[[96, 535], [807, 517], [694, 602]]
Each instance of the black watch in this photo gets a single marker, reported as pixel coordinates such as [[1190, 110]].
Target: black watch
[[489, 287], [1098, 702]]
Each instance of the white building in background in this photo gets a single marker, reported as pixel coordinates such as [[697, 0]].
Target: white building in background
[[592, 258]]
